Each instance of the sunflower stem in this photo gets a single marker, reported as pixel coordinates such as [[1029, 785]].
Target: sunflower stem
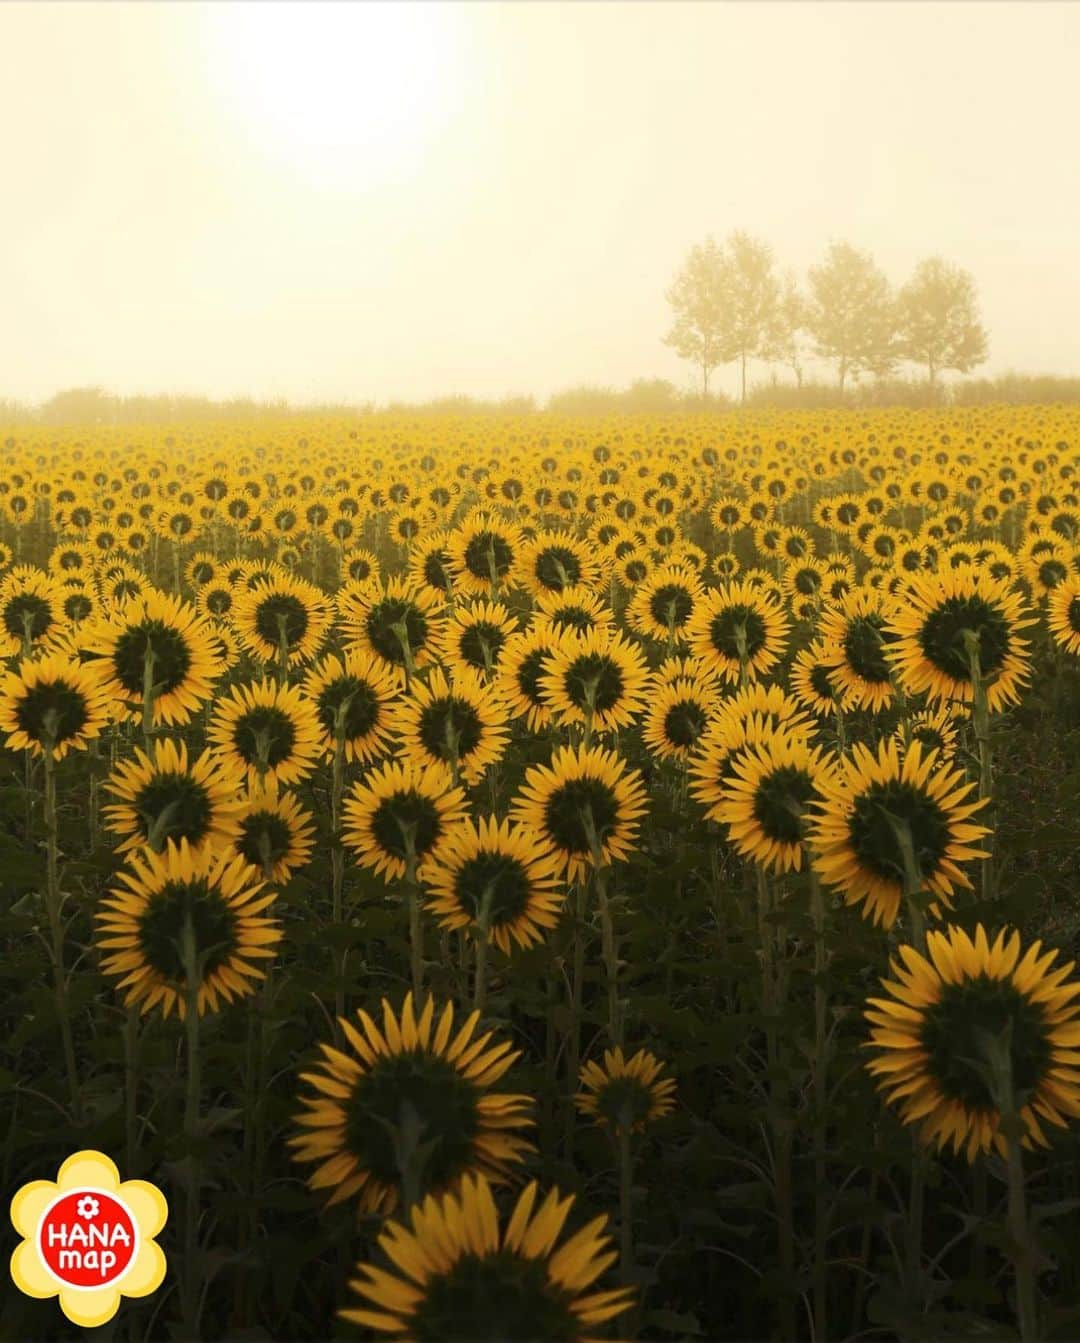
[[626, 1216], [53, 906], [148, 697], [282, 650], [608, 943], [412, 898], [401, 631], [482, 933], [820, 1293], [190, 961], [577, 982], [980, 714], [337, 852]]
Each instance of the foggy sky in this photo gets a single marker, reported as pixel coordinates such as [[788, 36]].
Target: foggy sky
[[154, 238]]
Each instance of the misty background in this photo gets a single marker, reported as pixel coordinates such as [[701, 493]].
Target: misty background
[[349, 203]]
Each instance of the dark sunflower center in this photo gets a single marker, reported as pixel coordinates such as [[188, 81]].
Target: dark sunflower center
[[780, 803], [567, 807], [172, 657], [439, 1098], [265, 732], [396, 815], [481, 644], [574, 618], [450, 728], [874, 839], [819, 679], [528, 675], [161, 928], [172, 806], [942, 636], [624, 1100], [950, 1035], [1073, 614], [281, 613], [1052, 572], [684, 723], [264, 838], [595, 675], [807, 582], [557, 568], [437, 570], [385, 640], [863, 648], [219, 602], [497, 879], [201, 572], [671, 605], [501, 1298], [362, 712], [360, 568], [27, 615], [929, 737], [485, 552], [635, 571], [66, 705], [726, 625], [77, 606]]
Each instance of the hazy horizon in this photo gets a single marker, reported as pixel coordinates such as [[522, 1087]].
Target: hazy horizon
[[355, 202]]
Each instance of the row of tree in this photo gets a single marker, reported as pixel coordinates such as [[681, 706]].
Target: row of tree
[[731, 304]]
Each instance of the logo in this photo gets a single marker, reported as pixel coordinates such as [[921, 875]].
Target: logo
[[88, 1238]]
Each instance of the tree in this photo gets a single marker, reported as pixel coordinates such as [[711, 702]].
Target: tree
[[786, 338], [725, 304], [750, 302], [697, 296], [938, 319], [851, 314]]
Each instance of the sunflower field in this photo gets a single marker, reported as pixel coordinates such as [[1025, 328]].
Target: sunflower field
[[552, 879]]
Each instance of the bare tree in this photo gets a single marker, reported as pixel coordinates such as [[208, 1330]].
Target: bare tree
[[725, 301], [938, 319], [851, 314], [698, 299], [786, 340]]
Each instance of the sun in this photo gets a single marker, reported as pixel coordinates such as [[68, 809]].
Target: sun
[[340, 93]]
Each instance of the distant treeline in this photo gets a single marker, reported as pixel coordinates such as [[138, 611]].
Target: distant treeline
[[649, 396]]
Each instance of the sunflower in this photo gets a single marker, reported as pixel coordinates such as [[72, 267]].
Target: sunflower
[[51, 702], [1063, 614], [586, 800], [934, 729], [397, 623], [598, 678], [484, 553], [554, 561], [163, 797], [766, 800], [930, 1036], [142, 924], [497, 876], [274, 833], [217, 599], [200, 569], [78, 604], [156, 642], [664, 602], [738, 629], [811, 679], [521, 667], [459, 1278], [856, 634], [30, 614], [411, 1072], [625, 1093], [867, 806], [460, 723], [283, 617], [576, 609], [942, 615], [676, 716], [401, 812], [475, 636], [356, 694], [360, 565], [268, 731]]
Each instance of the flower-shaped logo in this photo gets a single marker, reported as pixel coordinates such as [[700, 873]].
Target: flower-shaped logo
[[88, 1238]]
